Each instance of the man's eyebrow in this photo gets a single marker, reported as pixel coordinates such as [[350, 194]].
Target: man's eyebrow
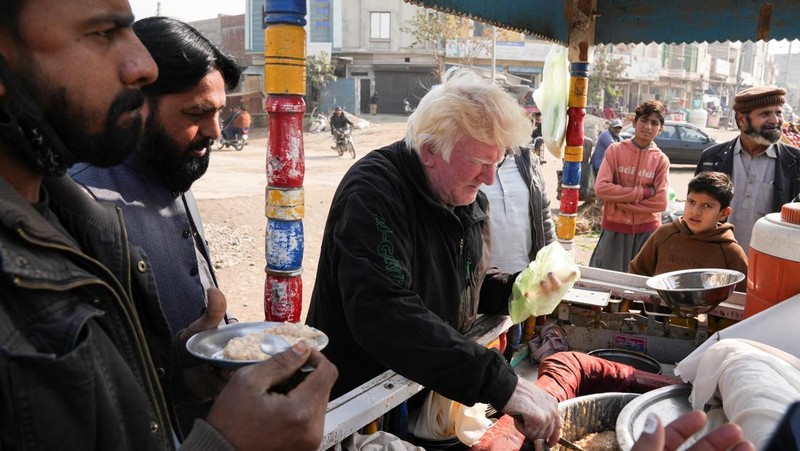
[[204, 108], [122, 20]]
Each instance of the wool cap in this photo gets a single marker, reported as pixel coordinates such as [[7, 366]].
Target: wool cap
[[758, 97]]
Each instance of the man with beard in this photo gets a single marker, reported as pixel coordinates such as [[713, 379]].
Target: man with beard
[[81, 363], [765, 171], [152, 187]]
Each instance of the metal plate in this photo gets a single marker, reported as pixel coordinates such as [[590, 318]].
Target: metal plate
[[208, 345], [667, 402]]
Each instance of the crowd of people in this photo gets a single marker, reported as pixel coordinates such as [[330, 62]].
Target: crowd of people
[[106, 274], [736, 183]]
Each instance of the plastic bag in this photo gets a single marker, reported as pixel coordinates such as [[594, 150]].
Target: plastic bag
[[551, 98], [533, 293], [441, 418]]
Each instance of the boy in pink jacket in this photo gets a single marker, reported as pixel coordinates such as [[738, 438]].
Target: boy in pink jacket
[[632, 182]]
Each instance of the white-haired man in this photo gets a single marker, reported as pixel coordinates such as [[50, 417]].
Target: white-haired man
[[404, 267]]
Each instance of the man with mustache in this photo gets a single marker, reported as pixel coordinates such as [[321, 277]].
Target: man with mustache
[[152, 186], [765, 171], [82, 362]]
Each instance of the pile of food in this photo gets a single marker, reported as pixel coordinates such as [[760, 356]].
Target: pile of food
[[599, 441], [791, 133], [248, 347]]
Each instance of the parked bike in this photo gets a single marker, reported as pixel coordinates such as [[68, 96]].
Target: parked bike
[[344, 141], [319, 121], [407, 107]]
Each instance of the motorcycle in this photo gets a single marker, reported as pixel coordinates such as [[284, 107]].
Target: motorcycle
[[236, 140], [344, 142], [407, 107]]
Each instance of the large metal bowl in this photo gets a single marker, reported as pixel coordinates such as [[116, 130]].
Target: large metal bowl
[[591, 413], [693, 291]]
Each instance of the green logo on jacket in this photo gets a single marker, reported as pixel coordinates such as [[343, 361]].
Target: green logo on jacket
[[386, 250]]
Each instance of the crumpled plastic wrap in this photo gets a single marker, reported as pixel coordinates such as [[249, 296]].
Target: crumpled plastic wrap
[[534, 293], [441, 418], [551, 98]]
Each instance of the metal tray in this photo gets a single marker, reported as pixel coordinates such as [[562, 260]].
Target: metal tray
[[208, 345], [667, 402]]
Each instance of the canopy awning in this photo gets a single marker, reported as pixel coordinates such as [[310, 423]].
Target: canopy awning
[[635, 21]]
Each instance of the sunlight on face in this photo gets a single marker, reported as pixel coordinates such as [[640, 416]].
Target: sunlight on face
[[646, 129], [471, 165], [702, 212]]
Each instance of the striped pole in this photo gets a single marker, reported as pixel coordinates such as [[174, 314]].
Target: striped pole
[[285, 85], [573, 154]]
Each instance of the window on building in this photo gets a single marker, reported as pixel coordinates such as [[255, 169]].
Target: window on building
[[380, 25], [319, 21]]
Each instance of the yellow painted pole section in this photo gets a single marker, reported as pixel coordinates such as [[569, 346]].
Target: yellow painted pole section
[[285, 60]]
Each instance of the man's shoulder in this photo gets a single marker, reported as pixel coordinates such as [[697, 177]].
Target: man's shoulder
[[718, 147], [789, 149]]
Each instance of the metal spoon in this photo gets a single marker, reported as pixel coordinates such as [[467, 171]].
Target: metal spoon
[[275, 344]]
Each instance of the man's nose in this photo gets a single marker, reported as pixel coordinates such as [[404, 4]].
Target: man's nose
[[211, 128], [137, 67], [487, 174]]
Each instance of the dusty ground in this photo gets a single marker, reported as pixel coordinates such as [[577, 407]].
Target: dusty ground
[[231, 200]]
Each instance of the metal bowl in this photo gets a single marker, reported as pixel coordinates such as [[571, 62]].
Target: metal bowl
[[693, 291], [591, 413]]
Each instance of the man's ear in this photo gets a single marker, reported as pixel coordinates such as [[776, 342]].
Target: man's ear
[[427, 155], [724, 213], [740, 121]]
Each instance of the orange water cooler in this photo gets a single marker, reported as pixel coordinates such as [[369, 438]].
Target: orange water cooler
[[773, 272]]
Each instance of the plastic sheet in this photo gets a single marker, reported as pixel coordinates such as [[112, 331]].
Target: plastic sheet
[[532, 294], [551, 98]]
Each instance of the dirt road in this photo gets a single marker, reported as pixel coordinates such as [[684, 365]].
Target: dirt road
[[231, 200]]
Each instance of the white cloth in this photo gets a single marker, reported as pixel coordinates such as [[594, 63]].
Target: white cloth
[[772, 327], [757, 384], [378, 441], [509, 214]]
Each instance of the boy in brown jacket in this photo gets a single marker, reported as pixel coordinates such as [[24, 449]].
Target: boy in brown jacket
[[698, 239]]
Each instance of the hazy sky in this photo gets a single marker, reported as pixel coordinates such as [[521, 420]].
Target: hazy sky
[[187, 10]]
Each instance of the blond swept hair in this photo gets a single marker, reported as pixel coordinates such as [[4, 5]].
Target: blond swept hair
[[467, 105]]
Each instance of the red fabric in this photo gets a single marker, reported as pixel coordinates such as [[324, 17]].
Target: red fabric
[[567, 375]]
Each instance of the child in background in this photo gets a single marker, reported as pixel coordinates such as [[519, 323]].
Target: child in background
[[632, 182], [698, 239]]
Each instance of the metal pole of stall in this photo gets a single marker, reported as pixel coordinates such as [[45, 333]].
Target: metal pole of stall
[[285, 85]]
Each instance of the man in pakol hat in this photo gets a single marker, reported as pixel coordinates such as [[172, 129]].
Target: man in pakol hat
[[765, 171]]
